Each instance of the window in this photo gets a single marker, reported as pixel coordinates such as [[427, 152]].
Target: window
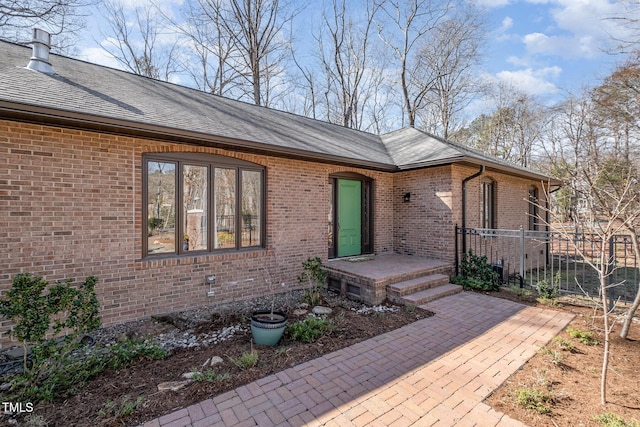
[[201, 203], [487, 218], [533, 208]]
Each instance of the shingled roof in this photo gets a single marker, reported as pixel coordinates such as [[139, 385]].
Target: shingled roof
[[86, 95]]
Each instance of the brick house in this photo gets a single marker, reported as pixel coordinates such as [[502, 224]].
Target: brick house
[[152, 187]]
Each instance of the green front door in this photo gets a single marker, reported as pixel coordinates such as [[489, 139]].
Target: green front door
[[349, 217]]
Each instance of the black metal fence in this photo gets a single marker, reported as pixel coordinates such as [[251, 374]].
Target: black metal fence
[[524, 258]]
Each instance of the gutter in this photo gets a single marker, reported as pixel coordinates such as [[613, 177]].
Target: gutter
[[464, 205], [73, 120]]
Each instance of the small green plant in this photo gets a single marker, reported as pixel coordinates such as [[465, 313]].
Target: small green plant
[[540, 377], [564, 344], [555, 356], [210, 376], [410, 308], [120, 409], [586, 338], [68, 373], [477, 274], [125, 353], [248, 360], [313, 275], [548, 290], [536, 400], [310, 329], [609, 419]]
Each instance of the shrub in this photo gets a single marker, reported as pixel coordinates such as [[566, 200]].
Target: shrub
[[310, 329], [477, 274], [548, 290], [313, 275], [74, 310]]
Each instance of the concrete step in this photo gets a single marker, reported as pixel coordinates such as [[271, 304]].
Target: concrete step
[[396, 291], [428, 295]]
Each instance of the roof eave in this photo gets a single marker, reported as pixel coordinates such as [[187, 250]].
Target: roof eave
[[495, 166], [75, 120]]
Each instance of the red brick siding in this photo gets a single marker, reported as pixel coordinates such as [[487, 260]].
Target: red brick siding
[[511, 193], [424, 226], [71, 206]]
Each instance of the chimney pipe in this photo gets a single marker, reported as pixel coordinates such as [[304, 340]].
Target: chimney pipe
[[41, 45]]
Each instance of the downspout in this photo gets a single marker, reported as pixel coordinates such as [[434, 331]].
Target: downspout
[[464, 206]]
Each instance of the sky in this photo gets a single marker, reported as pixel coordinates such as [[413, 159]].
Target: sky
[[545, 48]]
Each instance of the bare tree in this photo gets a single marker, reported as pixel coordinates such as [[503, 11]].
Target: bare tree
[[593, 172], [404, 26], [256, 30], [62, 18], [135, 44], [595, 151], [452, 52], [617, 104], [512, 130], [349, 73], [212, 48]]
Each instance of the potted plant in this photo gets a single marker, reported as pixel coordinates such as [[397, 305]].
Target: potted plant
[[268, 325]]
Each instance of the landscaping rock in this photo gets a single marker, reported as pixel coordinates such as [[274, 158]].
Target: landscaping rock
[[215, 360], [319, 310], [299, 312]]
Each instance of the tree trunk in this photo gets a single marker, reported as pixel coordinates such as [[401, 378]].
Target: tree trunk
[[636, 302], [605, 355]]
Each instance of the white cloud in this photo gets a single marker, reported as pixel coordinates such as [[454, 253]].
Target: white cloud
[[581, 29], [507, 23], [538, 82], [97, 55], [492, 3]]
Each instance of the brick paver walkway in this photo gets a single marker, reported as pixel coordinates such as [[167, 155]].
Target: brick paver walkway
[[434, 372]]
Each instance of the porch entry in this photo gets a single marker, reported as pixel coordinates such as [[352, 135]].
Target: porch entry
[[350, 215]]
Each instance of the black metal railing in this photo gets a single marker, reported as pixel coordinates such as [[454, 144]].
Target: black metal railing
[[567, 258]]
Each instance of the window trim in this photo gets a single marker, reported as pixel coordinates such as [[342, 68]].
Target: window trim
[[211, 161], [488, 199], [534, 224]]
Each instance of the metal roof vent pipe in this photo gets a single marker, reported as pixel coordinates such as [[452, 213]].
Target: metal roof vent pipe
[[41, 45]]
